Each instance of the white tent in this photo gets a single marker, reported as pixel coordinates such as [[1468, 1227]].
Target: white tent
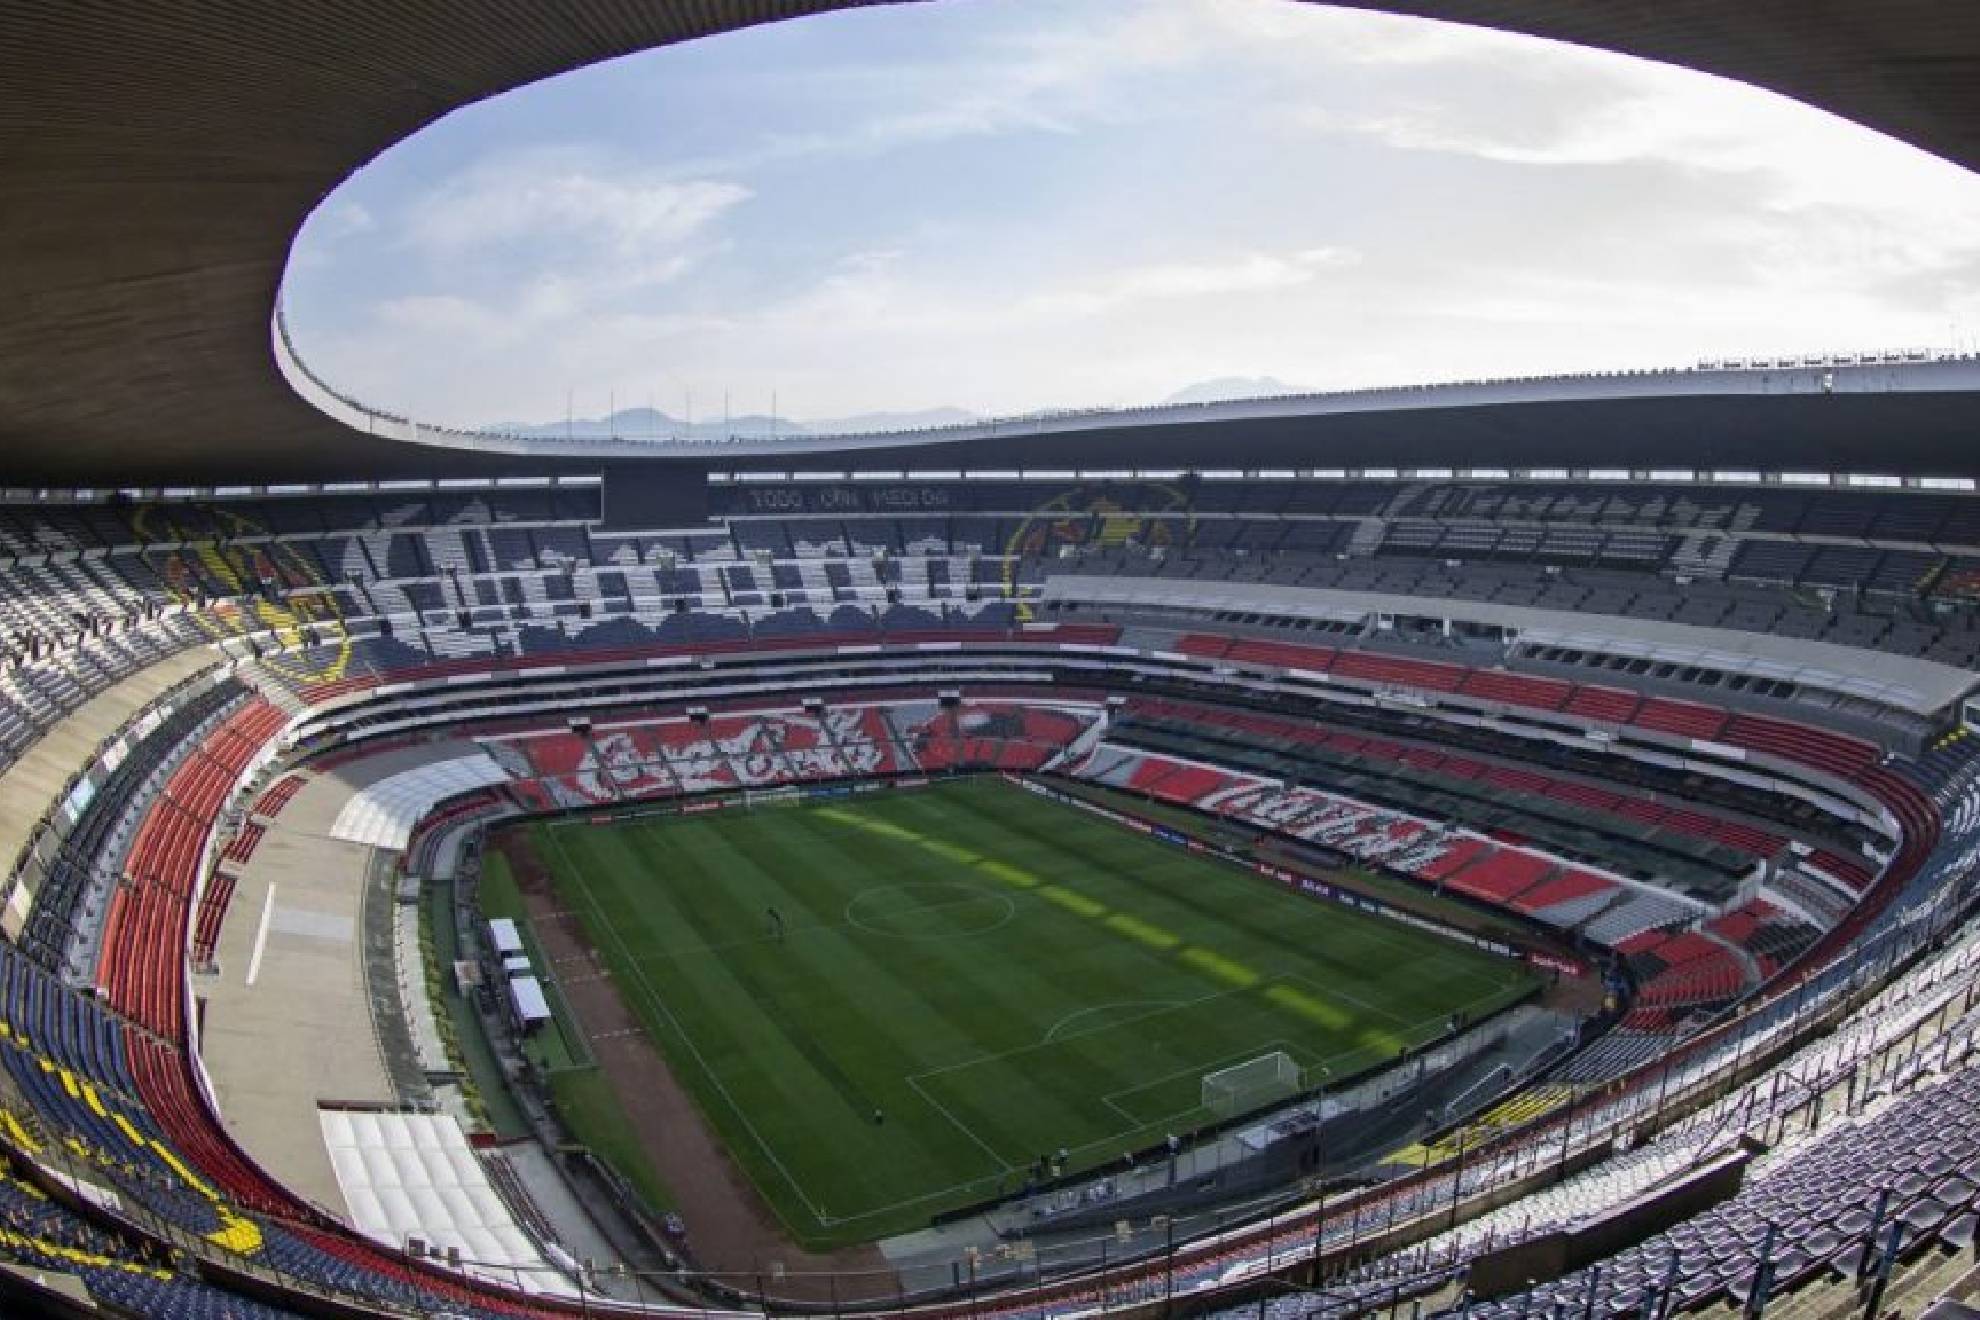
[[407, 1176], [527, 998], [384, 813], [503, 935]]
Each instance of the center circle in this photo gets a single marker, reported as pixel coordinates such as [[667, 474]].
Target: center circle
[[929, 910]]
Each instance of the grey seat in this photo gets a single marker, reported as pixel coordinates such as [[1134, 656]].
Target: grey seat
[[1948, 1309], [1924, 1215], [1955, 1190], [1848, 1263], [1958, 1232], [1910, 1185], [1853, 1222]]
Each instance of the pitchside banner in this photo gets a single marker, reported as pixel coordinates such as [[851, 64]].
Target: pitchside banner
[[1303, 884], [746, 798]]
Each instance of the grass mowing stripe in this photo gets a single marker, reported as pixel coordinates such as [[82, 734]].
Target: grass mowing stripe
[[733, 998], [819, 958], [1134, 982], [746, 974], [1163, 882], [935, 990], [621, 957], [1213, 963], [1001, 974]]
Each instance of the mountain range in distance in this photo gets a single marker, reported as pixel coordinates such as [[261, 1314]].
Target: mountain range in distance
[[639, 423]]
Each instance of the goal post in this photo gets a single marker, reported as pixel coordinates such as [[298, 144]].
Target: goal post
[[1250, 1085]]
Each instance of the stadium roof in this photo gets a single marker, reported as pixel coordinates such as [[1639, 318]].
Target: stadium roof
[[156, 161]]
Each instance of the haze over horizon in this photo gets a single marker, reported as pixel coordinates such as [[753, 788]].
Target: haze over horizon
[[997, 209], [645, 419]]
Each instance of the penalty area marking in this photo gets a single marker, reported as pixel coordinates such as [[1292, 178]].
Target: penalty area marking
[[1003, 1165], [1154, 1005]]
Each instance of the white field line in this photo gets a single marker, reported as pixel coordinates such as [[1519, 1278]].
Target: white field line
[[261, 935]]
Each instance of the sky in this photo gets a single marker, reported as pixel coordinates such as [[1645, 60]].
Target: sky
[[1007, 205]]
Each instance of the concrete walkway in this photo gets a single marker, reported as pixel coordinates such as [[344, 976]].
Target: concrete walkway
[[33, 784]]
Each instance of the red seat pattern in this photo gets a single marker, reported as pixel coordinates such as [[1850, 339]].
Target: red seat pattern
[[1748, 838], [1282, 655], [241, 847], [1838, 754], [331, 689], [1390, 669], [752, 745], [212, 908], [1564, 886], [1691, 970], [1833, 754], [1682, 717], [1500, 874], [1643, 941], [1708, 980], [1066, 634], [1372, 834], [1610, 705], [1586, 796], [279, 795], [1203, 645], [1842, 756], [1516, 689], [1515, 779], [1687, 947], [141, 963], [1183, 783], [1850, 872], [1456, 765], [1740, 924], [1462, 853]]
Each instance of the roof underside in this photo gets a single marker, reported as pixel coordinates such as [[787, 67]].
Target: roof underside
[[157, 159]]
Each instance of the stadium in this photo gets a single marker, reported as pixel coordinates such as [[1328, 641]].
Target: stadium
[[1324, 854]]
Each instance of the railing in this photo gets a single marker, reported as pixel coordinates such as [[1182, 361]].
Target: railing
[[1868, 373]]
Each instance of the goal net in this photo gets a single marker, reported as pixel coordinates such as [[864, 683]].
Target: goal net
[[1251, 1084]]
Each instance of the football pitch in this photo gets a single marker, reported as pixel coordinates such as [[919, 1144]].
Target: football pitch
[[892, 1005]]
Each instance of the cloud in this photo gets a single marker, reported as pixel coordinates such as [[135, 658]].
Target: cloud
[[344, 219], [1050, 68], [874, 293], [1127, 198], [525, 268], [1555, 105], [1250, 272], [561, 198], [328, 229]]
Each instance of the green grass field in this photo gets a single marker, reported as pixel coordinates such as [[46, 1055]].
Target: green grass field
[[999, 975]]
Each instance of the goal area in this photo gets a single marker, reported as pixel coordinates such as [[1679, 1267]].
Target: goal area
[[1250, 1085]]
